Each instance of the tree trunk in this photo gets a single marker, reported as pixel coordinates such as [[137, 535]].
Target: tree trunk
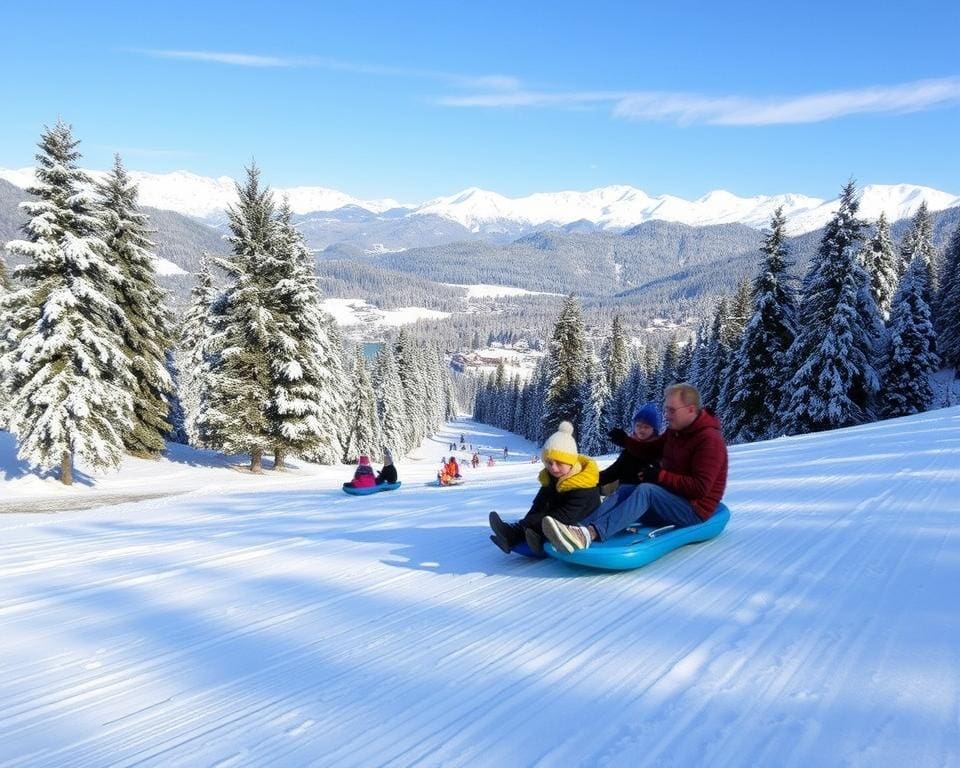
[[256, 460], [66, 468], [279, 457]]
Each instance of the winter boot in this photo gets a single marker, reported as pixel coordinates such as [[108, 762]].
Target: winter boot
[[534, 541], [505, 535]]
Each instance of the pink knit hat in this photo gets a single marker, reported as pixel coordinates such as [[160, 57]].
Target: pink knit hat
[[364, 461]]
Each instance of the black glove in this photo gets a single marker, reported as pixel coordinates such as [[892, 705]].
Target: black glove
[[617, 436], [649, 473]]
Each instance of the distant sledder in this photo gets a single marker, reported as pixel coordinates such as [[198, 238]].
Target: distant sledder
[[449, 474], [364, 482]]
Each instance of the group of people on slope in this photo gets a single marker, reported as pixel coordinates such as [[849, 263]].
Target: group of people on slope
[[676, 478], [363, 477]]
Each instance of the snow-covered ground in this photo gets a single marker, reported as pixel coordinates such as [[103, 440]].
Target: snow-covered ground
[[348, 312], [273, 620]]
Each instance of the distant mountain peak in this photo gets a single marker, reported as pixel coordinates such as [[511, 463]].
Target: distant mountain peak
[[488, 213]]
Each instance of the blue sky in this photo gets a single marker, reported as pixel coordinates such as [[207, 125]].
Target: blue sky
[[415, 100]]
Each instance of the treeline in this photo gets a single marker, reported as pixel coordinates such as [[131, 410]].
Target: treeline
[[856, 339], [89, 351]]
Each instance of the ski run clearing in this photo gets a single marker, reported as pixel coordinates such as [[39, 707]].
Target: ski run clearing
[[276, 621]]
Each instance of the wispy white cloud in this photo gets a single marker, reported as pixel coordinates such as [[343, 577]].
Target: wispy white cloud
[[496, 91], [222, 57], [489, 82], [810, 108], [690, 108]]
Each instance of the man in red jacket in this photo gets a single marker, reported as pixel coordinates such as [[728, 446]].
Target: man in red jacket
[[681, 484]]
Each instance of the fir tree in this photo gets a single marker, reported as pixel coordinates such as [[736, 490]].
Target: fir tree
[[364, 433], [910, 356], [918, 242], [839, 332], [594, 393], [146, 322], [307, 409], [244, 328], [740, 310], [391, 409], [415, 393], [948, 304], [883, 264], [568, 366], [6, 332], [192, 352], [716, 357], [759, 370], [70, 379]]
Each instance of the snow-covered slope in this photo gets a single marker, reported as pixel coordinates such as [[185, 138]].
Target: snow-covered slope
[[276, 621], [480, 210]]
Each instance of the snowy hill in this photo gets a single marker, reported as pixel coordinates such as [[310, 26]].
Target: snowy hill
[[484, 212], [276, 621]]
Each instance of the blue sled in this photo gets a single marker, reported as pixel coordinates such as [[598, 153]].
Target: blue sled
[[371, 489], [626, 551]]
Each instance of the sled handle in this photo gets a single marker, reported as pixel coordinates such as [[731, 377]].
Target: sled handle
[[658, 531]]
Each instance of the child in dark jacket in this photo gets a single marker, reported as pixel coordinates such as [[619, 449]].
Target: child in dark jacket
[[389, 472], [568, 488], [363, 477], [626, 469]]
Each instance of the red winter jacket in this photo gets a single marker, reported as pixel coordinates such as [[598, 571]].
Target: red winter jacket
[[693, 462]]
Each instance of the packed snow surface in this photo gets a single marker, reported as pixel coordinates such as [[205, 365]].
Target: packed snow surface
[[275, 621]]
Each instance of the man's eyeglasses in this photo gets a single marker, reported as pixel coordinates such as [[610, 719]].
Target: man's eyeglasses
[[669, 410]]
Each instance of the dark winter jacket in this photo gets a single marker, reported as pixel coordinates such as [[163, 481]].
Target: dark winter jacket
[[569, 499], [387, 475], [626, 469], [693, 461]]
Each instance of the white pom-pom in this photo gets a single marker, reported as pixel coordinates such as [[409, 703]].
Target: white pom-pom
[[565, 426]]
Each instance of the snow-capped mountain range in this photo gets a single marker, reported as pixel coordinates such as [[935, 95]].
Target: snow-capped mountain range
[[479, 211]]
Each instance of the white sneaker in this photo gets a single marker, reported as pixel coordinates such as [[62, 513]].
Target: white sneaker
[[566, 538]]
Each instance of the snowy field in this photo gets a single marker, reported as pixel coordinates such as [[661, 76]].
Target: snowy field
[[275, 621]]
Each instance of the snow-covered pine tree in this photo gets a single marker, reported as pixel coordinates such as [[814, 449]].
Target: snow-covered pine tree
[[653, 382], [919, 242], [191, 352], [307, 411], [672, 361], [568, 366], [391, 409], [698, 355], [244, 327], [716, 357], [592, 432], [910, 352], [451, 402], [741, 308], [70, 380], [839, 332], [5, 332], [415, 394], [364, 431], [883, 264], [948, 304], [535, 401], [617, 368], [617, 355], [146, 323], [758, 370]]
